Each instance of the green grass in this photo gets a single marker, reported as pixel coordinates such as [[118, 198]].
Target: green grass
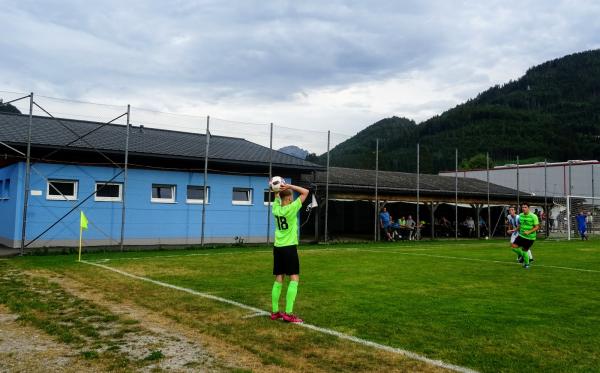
[[466, 303]]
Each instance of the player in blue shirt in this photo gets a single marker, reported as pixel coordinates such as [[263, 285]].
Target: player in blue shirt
[[581, 225]]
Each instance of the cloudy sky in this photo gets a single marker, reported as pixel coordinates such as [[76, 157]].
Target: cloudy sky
[[338, 65]]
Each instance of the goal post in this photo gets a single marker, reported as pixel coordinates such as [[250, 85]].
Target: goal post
[[571, 215]]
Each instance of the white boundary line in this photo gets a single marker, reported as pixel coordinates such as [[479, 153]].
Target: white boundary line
[[331, 332], [391, 250], [476, 260]]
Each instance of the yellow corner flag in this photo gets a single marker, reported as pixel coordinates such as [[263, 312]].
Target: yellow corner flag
[[83, 224], [83, 221]]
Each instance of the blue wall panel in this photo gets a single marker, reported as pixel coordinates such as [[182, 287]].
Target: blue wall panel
[[146, 221]]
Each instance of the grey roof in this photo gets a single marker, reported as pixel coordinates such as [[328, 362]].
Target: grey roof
[[356, 179], [49, 132]]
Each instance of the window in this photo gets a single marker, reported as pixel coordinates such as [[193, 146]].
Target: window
[[62, 190], [163, 193], [242, 196], [195, 194], [109, 192], [266, 197]]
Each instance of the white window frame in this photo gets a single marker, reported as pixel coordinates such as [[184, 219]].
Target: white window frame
[[198, 201], [62, 197], [164, 200], [266, 203], [242, 203], [108, 199]]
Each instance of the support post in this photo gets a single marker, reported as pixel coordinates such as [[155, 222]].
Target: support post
[[269, 189], [206, 149], [418, 225], [456, 193], [518, 191], [327, 190], [489, 219], [546, 212], [569, 218], [376, 231], [122, 240], [27, 178]]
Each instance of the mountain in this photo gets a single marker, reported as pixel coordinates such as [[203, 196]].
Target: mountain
[[552, 112], [294, 151]]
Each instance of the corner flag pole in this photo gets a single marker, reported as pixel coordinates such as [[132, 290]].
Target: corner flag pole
[[83, 224], [80, 240]]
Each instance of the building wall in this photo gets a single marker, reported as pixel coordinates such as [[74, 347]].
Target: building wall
[[10, 204], [531, 179], [147, 223]]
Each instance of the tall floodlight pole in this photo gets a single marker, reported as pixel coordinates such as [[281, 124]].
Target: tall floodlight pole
[[206, 149], [418, 227], [27, 177], [489, 219], [269, 190], [376, 189], [456, 194], [327, 189], [127, 130]]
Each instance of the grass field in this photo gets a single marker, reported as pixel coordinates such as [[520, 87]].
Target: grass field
[[466, 303]]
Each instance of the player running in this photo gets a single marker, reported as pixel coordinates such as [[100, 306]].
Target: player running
[[285, 253], [513, 224], [528, 226]]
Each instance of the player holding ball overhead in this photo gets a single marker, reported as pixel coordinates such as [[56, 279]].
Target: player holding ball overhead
[[285, 253]]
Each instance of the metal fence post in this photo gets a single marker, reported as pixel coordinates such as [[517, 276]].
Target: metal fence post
[[456, 193], [27, 177], [206, 149], [546, 212], [518, 191], [269, 189], [418, 226], [327, 190], [122, 241], [489, 219], [376, 231]]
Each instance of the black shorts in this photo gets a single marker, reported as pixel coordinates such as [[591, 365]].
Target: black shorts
[[524, 242], [285, 260]]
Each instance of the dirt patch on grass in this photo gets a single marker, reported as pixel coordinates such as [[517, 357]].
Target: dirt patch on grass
[[27, 349], [179, 344]]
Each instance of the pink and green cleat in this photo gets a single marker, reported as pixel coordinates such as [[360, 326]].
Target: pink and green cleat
[[287, 317], [276, 315]]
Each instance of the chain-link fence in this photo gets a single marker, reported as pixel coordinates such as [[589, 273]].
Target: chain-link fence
[[146, 177]]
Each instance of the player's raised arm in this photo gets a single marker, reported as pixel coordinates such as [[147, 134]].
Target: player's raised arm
[[302, 191]]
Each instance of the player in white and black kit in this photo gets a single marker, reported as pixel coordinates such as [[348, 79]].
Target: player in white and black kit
[[513, 224]]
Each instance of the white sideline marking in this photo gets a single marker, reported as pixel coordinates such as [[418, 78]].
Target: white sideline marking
[[258, 312], [390, 249], [476, 260], [252, 315]]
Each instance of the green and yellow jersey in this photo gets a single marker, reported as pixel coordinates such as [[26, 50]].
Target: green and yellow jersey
[[526, 223], [286, 222]]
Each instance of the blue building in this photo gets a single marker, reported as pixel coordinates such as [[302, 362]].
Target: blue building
[[163, 194]]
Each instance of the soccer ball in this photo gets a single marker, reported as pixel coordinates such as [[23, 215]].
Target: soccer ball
[[276, 182]]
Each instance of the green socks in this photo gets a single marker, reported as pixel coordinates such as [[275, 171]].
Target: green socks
[[291, 296], [275, 293], [522, 253]]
